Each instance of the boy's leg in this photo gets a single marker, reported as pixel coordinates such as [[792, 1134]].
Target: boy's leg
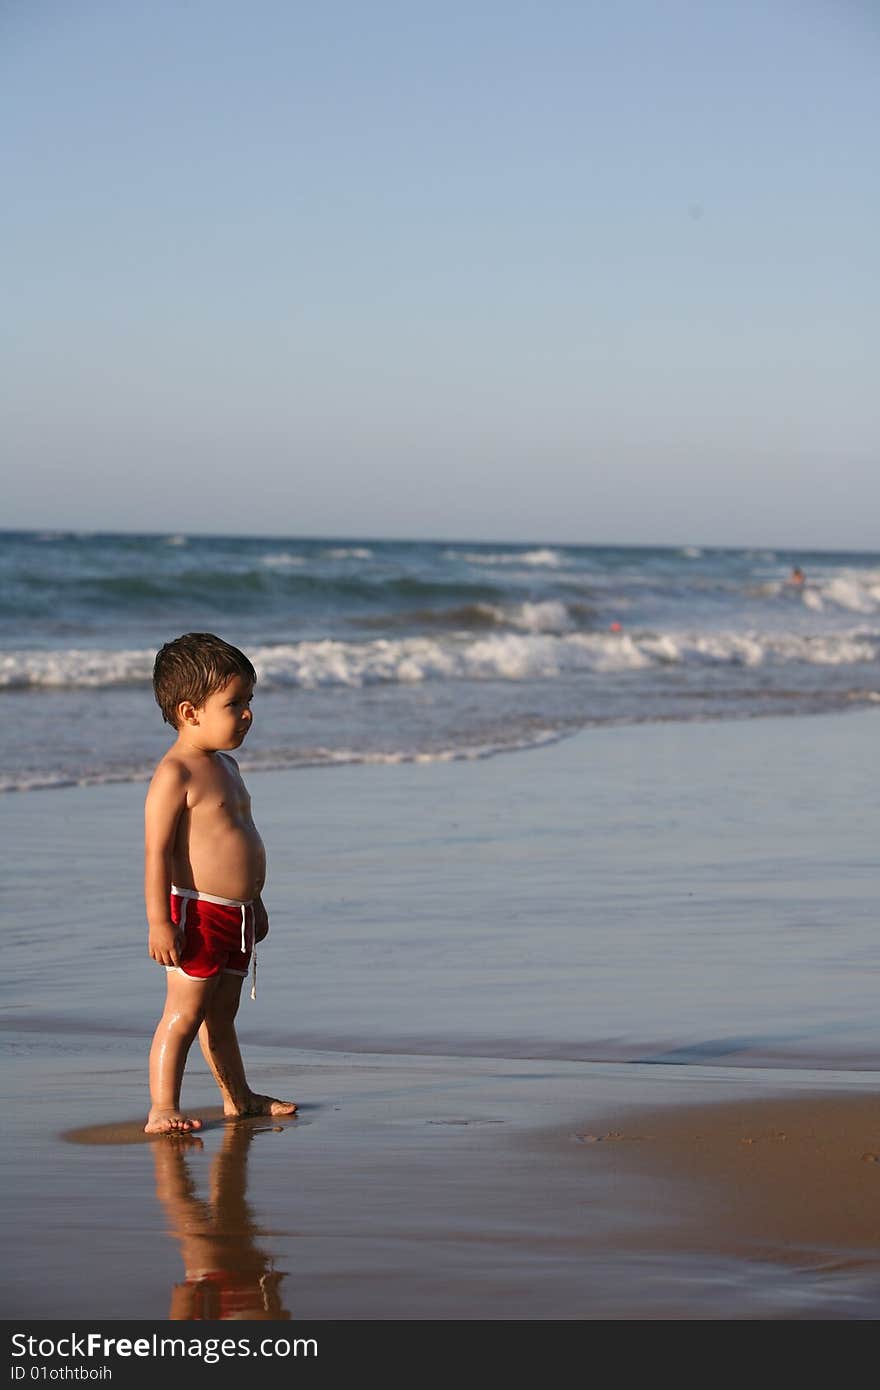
[[185, 1004], [219, 1043]]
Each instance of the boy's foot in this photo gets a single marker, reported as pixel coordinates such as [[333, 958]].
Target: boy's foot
[[260, 1105], [172, 1121]]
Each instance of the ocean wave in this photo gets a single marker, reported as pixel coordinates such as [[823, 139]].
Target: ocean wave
[[536, 653], [540, 557], [548, 615], [853, 591], [461, 617], [75, 668], [740, 649], [282, 560], [467, 752], [284, 759], [280, 577], [850, 591], [285, 559]]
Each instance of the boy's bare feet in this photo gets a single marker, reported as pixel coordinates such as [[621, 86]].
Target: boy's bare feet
[[259, 1105], [161, 1121]]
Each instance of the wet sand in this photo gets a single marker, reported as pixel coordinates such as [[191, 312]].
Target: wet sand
[[776, 1197], [462, 1169], [452, 1188], [792, 1178]]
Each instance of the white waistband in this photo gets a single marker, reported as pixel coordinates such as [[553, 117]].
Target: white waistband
[[209, 897]]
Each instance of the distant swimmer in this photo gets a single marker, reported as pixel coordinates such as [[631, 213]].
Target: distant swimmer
[[615, 627], [797, 577]]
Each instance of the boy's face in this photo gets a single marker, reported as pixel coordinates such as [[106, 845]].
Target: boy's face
[[225, 717]]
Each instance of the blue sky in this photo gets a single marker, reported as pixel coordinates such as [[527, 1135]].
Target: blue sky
[[563, 271]]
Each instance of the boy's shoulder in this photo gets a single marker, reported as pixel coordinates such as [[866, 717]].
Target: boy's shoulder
[[173, 769], [177, 769]]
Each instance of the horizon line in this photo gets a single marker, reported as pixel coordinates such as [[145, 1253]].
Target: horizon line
[[52, 532]]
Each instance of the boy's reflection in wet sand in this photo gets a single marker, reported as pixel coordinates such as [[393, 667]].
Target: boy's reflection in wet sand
[[227, 1274]]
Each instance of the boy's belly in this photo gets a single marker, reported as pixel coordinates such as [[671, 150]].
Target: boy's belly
[[231, 863]]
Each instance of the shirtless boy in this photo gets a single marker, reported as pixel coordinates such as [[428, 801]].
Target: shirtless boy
[[204, 871]]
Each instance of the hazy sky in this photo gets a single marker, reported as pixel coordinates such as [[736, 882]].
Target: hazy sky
[[567, 271]]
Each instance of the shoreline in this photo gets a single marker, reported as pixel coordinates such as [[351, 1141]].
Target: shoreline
[[864, 1065], [864, 705]]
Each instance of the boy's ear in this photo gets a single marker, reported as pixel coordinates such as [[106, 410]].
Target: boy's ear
[[187, 712]]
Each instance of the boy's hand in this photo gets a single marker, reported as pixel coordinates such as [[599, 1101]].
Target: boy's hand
[[261, 921], [166, 944]]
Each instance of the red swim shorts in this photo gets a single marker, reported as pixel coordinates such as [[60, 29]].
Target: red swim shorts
[[218, 933]]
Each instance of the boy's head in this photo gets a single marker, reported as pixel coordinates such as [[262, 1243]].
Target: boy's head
[[192, 668]]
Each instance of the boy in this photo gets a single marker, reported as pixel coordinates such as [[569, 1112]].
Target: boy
[[203, 875]]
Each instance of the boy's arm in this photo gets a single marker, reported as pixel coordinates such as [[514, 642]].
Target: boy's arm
[[165, 802]]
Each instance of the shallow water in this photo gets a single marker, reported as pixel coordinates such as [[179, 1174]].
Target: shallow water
[[693, 894]]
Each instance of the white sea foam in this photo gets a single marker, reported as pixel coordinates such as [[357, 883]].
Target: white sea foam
[[854, 591], [545, 655], [855, 594], [282, 560], [468, 753], [75, 667], [756, 649], [551, 558], [538, 652], [353, 552], [548, 616], [619, 652], [311, 665], [297, 757], [540, 557], [52, 781]]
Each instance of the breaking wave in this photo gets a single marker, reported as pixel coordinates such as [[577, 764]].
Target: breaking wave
[[540, 651]]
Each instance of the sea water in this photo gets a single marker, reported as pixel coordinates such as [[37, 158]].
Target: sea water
[[698, 895], [392, 651]]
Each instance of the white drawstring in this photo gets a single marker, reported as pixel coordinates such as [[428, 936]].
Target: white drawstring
[[244, 908]]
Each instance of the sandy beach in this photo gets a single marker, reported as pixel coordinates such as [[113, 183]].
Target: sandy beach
[[587, 1032]]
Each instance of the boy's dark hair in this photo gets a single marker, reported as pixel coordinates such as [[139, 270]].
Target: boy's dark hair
[[194, 666]]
